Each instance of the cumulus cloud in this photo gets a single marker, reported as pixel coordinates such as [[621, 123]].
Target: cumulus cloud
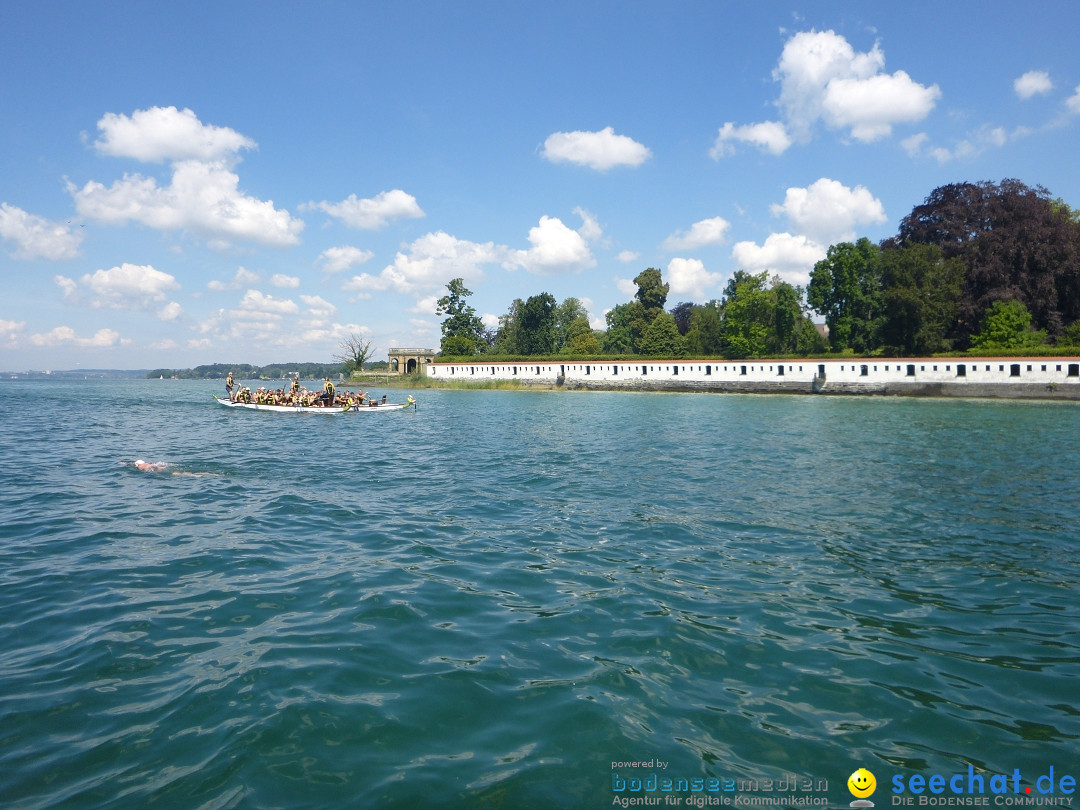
[[170, 312], [627, 256], [556, 248], [828, 211], [374, 212], [823, 80], [35, 237], [282, 280], [241, 279], [689, 278], [340, 259], [704, 232], [428, 263], [601, 150], [66, 336], [1033, 83], [1072, 104], [318, 307], [165, 133], [10, 331], [792, 257], [129, 286], [203, 195], [768, 136], [203, 198], [259, 306]]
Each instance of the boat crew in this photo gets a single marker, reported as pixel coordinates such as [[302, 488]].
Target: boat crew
[[229, 385]]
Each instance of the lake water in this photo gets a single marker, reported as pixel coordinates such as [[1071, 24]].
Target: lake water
[[524, 599]]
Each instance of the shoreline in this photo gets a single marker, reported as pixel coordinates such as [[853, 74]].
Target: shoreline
[[1048, 378]]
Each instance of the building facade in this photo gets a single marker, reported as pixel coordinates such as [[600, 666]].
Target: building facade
[[411, 361]]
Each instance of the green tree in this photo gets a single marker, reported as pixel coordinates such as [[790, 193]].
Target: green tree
[[652, 291], [749, 317], [566, 314], [921, 289], [537, 328], [506, 339], [705, 337], [626, 323], [662, 338], [1007, 325], [845, 287], [462, 322]]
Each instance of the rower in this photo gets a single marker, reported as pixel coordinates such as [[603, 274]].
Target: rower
[[328, 393], [229, 385]]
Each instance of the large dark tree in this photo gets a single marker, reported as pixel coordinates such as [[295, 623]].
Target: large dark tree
[[537, 329], [1016, 243]]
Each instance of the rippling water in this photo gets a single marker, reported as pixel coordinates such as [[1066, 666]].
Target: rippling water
[[488, 601]]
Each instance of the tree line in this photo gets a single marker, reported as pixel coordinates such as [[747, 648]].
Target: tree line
[[978, 266]]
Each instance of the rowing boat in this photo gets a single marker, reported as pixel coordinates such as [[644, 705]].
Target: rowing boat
[[253, 406]]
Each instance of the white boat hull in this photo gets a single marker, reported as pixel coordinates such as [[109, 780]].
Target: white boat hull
[[252, 406]]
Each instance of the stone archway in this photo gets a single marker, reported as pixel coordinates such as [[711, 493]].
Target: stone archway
[[410, 361]]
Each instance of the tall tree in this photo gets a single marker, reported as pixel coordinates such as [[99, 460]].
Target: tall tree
[[652, 291], [706, 335], [462, 331], [845, 287], [537, 330], [566, 314], [921, 290], [1015, 242], [662, 338], [681, 313]]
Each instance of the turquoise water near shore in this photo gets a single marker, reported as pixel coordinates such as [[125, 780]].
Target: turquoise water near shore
[[489, 601]]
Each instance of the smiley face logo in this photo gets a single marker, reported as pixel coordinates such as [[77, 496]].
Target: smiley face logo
[[861, 783]]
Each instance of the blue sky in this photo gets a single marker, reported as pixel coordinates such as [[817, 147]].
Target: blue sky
[[186, 183]]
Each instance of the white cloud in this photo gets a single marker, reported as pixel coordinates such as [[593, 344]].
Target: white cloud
[[282, 280], [627, 256], [1033, 83], [259, 306], [165, 133], [977, 142], [203, 197], [36, 237], [10, 332], [914, 144], [372, 213], [792, 257], [170, 312], [769, 136], [590, 229], [318, 307], [705, 232], [828, 211], [65, 336], [430, 262], [242, 278], [556, 248], [1072, 104], [823, 79], [129, 286], [339, 259], [598, 150], [626, 286], [689, 278]]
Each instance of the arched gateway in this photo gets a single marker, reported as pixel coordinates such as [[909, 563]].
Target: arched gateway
[[410, 361]]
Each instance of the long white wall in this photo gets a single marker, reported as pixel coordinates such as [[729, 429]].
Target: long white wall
[[843, 374]]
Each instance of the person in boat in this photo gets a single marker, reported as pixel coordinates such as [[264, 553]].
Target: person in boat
[[229, 385], [383, 400], [295, 389], [327, 397]]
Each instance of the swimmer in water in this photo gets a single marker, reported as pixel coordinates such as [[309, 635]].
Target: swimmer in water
[[149, 466]]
